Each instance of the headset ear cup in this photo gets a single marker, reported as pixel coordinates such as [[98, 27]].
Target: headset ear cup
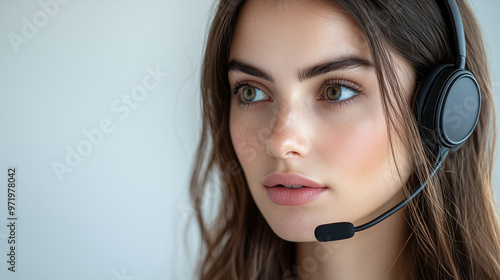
[[448, 103], [423, 93]]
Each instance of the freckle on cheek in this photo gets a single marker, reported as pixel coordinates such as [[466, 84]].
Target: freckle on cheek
[[244, 140]]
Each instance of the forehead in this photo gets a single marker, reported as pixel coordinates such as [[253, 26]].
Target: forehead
[[301, 31]]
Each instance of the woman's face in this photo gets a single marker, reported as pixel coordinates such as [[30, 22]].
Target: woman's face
[[306, 101]]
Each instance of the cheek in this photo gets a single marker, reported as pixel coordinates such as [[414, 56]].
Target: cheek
[[356, 150], [247, 137], [244, 142], [356, 147]]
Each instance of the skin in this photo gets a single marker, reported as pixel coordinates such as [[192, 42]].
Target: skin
[[292, 127]]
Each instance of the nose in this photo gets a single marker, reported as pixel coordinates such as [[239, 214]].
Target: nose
[[288, 137]]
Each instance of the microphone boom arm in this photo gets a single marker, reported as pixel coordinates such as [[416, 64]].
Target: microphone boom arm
[[344, 230]]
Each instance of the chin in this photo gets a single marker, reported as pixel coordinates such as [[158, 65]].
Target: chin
[[295, 236], [294, 230]]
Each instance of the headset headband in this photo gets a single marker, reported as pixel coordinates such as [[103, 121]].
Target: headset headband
[[456, 26]]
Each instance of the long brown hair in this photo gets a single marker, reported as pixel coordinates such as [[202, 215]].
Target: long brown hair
[[455, 232]]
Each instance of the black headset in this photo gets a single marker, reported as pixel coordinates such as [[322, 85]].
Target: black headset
[[447, 106], [448, 100]]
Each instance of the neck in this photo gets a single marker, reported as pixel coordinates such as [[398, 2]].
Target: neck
[[375, 253]]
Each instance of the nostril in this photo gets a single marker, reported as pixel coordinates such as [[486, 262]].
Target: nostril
[[286, 141]]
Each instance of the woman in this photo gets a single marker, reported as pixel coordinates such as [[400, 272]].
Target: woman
[[309, 119]]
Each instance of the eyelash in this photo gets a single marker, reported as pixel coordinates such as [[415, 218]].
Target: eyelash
[[235, 91], [342, 82], [357, 89]]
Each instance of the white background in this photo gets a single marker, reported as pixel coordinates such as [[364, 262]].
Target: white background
[[120, 213]]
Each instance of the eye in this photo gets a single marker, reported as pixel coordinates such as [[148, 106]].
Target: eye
[[251, 94], [339, 93], [248, 94]]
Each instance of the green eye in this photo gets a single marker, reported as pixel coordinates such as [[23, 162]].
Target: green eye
[[339, 93], [333, 92], [248, 93], [251, 94]]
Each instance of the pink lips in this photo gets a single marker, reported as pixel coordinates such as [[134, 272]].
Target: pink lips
[[281, 195]]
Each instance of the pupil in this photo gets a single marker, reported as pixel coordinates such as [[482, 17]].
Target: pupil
[[333, 92], [248, 93]]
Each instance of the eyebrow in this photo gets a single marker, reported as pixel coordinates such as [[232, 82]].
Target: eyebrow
[[247, 68], [342, 63]]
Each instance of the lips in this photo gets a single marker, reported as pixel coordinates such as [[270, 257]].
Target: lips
[[276, 179], [292, 189]]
